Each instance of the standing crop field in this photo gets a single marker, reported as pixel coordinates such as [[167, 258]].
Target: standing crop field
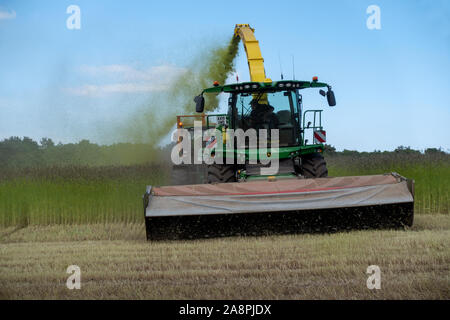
[[75, 195]]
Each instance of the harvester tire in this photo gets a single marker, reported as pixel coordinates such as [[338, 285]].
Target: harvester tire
[[314, 166], [221, 174]]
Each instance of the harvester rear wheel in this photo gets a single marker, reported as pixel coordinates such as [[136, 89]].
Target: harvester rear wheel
[[218, 173], [314, 166]]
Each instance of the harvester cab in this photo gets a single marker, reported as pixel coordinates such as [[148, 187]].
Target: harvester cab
[[270, 106], [242, 193]]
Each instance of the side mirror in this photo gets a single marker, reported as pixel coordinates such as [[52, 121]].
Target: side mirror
[[199, 103], [322, 93], [331, 99]]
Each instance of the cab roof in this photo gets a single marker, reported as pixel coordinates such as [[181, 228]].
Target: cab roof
[[263, 86]]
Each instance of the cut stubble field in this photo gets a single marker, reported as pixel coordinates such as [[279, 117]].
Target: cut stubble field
[[117, 263]]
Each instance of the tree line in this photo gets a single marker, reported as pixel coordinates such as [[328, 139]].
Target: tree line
[[16, 152]]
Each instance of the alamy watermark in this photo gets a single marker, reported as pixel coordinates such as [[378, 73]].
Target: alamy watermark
[[374, 280], [218, 146], [73, 22], [74, 280], [373, 22]]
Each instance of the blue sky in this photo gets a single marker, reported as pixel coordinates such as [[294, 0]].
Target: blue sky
[[392, 85]]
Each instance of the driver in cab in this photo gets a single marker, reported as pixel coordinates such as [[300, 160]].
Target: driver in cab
[[262, 115]]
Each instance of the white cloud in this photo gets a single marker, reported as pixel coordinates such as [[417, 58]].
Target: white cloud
[[126, 79], [100, 90], [6, 14], [125, 72]]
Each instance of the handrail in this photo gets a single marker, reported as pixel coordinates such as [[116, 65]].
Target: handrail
[[313, 127]]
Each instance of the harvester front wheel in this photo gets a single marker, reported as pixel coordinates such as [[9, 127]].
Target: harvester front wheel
[[314, 166], [221, 174]]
